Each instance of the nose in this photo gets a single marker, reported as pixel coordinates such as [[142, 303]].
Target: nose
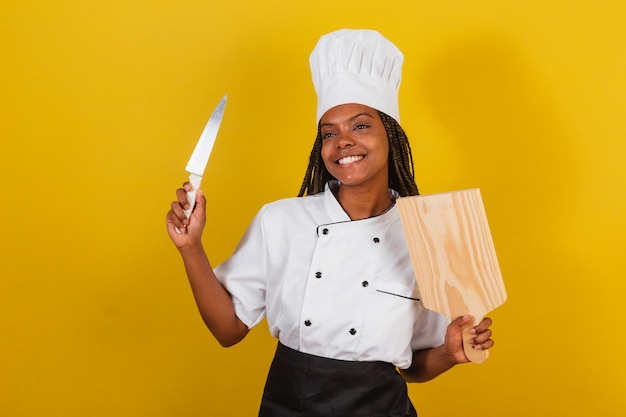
[[344, 140]]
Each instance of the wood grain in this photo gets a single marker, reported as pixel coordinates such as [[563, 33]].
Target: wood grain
[[453, 256]]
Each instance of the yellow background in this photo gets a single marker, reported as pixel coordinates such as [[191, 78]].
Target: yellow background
[[103, 101]]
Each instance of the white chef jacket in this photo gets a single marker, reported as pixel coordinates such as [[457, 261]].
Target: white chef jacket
[[331, 286]]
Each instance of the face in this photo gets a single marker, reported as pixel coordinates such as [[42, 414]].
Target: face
[[355, 146]]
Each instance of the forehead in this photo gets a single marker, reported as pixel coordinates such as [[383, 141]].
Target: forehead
[[346, 112]]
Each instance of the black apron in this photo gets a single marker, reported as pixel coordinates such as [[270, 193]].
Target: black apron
[[303, 385]]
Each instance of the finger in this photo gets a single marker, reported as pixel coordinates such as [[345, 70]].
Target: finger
[[181, 194], [482, 337], [172, 219], [482, 326], [173, 229], [484, 346], [177, 216]]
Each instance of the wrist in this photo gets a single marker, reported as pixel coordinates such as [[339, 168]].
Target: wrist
[[446, 358], [192, 250]]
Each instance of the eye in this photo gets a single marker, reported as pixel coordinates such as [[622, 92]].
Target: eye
[[327, 135], [361, 126]]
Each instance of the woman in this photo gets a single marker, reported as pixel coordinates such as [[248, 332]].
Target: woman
[[331, 270]]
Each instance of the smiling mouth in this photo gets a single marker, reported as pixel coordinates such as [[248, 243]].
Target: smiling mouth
[[350, 159]]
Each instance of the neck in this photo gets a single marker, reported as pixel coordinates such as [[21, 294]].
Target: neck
[[360, 203]]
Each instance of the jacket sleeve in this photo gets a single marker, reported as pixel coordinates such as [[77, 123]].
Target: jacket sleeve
[[429, 330], [244, 273]]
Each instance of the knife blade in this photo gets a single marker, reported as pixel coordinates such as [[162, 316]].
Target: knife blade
[[200, 156]]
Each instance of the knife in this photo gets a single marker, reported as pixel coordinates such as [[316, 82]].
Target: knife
[[200, 156]]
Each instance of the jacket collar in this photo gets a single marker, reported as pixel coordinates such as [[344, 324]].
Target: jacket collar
[[337, 213]]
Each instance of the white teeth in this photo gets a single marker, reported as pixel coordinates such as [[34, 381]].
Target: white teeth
[[349, 159]]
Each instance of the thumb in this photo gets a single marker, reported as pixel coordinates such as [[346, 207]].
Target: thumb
[[454, 338], [200, 204], [462, 321]]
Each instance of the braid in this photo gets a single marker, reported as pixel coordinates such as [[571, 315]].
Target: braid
[[316, 174], [401, 169]]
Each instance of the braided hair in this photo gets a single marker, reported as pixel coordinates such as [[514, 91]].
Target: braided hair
[[401, 169]]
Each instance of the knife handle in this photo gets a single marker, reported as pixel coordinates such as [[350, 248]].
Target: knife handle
[[195, 181], [474, 355]]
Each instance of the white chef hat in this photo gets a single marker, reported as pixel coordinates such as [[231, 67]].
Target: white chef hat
[[356, 66]]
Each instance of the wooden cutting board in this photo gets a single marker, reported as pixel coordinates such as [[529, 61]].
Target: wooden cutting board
[[453, 257]]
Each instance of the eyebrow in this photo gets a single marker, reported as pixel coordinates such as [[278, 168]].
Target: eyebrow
[[350, 119]]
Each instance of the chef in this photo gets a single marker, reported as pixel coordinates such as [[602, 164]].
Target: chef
[[330, 268]]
